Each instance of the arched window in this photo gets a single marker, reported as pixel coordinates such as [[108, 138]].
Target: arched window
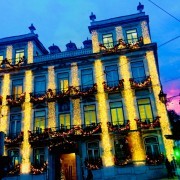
[[152, 146]]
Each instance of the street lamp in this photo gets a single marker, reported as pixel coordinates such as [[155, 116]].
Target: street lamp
[[162, 97]]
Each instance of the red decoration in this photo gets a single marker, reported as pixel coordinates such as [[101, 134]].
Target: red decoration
[[17, 140], [39, 169], [14, 171], [146, 125], [93, 164], [135, 85], [11, 100], [155, 160], [114, 88]]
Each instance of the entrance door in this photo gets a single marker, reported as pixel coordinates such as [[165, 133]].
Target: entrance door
[[68, 166]]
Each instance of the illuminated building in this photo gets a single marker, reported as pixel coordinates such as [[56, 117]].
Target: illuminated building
[[91, 108]]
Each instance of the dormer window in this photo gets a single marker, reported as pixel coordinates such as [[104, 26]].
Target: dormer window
[[132, 36], [19, 55], [108, 40]]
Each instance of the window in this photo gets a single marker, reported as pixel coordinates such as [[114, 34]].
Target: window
[[132, 36], [108, 40], [93, 150], [90, 114], [1, 58], [15, 125], [117, 113], [138, 71], [145, 111], [86, 79], [152, 147], [64, 114], [14, 155], [63, 82], [40, 85], [39, 121], [112, 76], [39, 156], [19, 55], [17, 87]]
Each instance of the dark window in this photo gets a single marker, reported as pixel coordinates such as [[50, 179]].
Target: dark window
[[138, 71], [63, 82], [93, 150], [132, 36], [112, 76], [17, 87], [39, 120], [117, 116], [40, 85], [19, 55], [145, 111], [108, 40], [39, 156], [87, 79], [14, 155], [90, 114], [15, 125], [152, 147]]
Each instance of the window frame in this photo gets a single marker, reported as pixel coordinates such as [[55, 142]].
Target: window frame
[[85, 105], [58, 82], [132, 39], [38, 129], [93, 150], [17, 85], [13, 158], [16, 60], [35, 81], [39, 156], [109, 44]]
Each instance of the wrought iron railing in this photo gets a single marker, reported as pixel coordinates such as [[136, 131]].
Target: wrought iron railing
[[93, 163], [15, 99], [14, 138], [113, 86]]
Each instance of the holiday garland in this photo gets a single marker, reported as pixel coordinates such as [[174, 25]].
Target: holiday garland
[[144, 84], [145, 125], [155, 160], [93, 163], [17, 140], [39, 169], [114, 88], [14, 171], [12, 100]]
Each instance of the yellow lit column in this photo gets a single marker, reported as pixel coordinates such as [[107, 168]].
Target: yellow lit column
[[95, 42], [138, 153], [30, 52], [161, 109], [51, 105], [75, 102], [25, 168], [145, 32], [103, 116], [119, 33]]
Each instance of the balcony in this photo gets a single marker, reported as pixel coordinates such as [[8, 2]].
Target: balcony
[[117, 128], [113, 86], [38, 97], [148, 123], [140, 83], [14, 139], [93, 163], [39, 168], [16, 99], [63, 133], [120, 45], [154, 159]]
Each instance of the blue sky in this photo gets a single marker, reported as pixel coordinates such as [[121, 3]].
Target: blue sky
[[59, 21]]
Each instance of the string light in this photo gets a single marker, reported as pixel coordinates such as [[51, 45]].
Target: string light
[[75, 102], [137, 149], [145, 32], [102, 106], [95, 42], [161, 109], [51, 105], [30, 52]]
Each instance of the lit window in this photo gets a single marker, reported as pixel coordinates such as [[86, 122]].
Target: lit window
[[112, 76], [152, 147], [93, 150], [63, 82], [15, 125], [39, 156], [14, 155], [17, 87], [1, 58], [145, 111], [132, 36], [39, 121], [117, 113], [138, 71], [108, 40], [40, 85], [86, 79], [90, 114], [19, 55], [64, 114]]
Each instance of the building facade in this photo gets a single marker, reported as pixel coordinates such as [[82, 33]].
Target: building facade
[[92, 108]]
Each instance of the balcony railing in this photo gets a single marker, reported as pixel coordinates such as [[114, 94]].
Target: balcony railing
[[148, 123], [121, 44], [123, 162], [117, 127], [154, 159], [140, 83], [16, 99], [113, 86], [14, 138], [93, 163], [56, 94], [39, 168], [64, 131]]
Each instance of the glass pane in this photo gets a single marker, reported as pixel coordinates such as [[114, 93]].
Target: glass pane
[[151, 140], [114, 116], [149, 112], [65, 119], [18, 128], [143, 101], [116, 104], [120, 116], [96, 153], [142, 112], [90, 107], [90, 153], [149, 150], [40, 85], [87, 118], [156, 149]]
